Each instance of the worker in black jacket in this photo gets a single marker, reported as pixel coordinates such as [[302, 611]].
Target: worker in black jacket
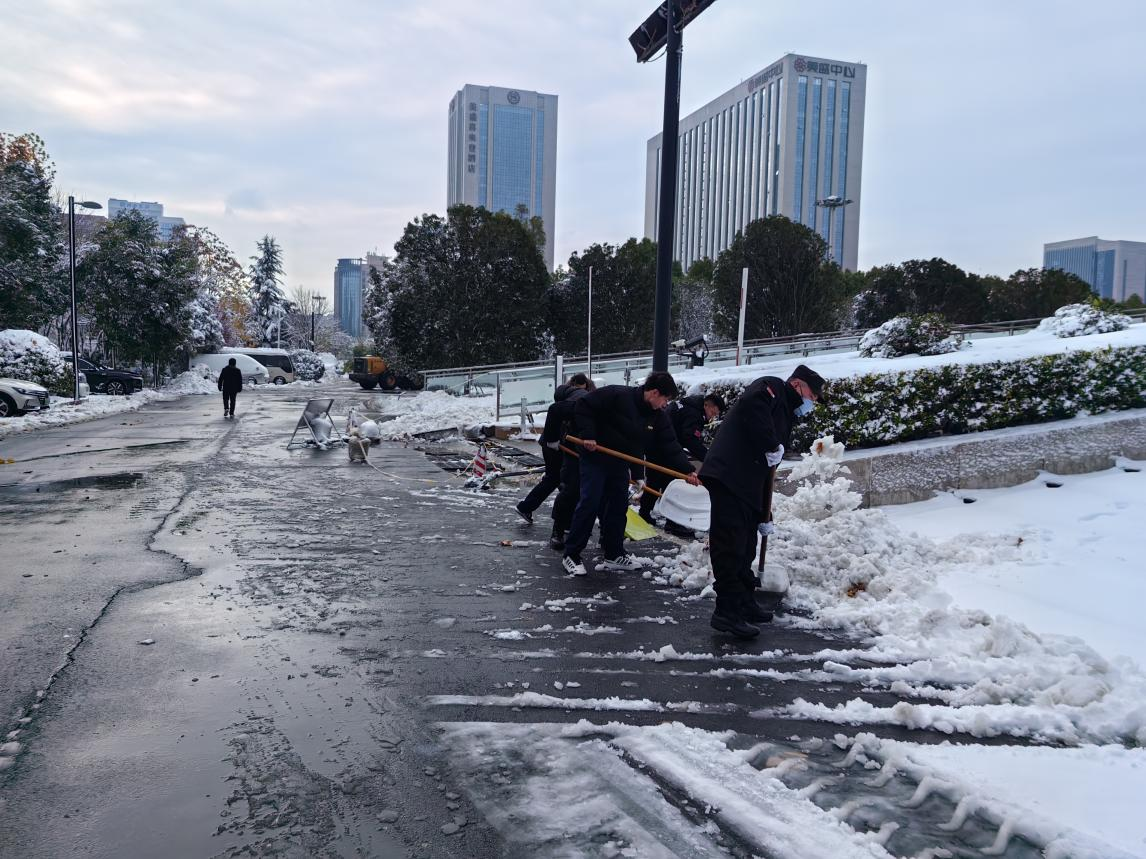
[[551, 436], [558, 424], [632, 421], [749, 445], [230, 383], [689, 417]]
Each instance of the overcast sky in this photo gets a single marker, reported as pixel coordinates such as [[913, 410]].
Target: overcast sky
[[992, 125]]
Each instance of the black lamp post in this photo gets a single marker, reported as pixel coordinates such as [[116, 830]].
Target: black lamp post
[[830, 204], [86, 204], [663, 29]]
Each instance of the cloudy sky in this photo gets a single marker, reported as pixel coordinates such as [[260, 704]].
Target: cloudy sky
[[991, 126]]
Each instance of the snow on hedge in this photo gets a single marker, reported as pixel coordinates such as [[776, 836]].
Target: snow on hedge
[[32, 357], [958, 668], [911, 335], [1077, 320], [308, 367]]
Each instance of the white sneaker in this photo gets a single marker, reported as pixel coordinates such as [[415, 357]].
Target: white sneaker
[[621, 564], [574, 568]]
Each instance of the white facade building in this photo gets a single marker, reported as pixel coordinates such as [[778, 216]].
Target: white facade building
[[503, 153], [152, 211], [773, 145], [1115, 270]]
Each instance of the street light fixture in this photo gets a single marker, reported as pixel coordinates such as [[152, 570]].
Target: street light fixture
[[663, 29], [831, 203], [85, 204]]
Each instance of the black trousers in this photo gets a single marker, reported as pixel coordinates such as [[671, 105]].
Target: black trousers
[[653, 480], [550, 480], [604, 495], [568, 494], [229, 401], [732, 540]]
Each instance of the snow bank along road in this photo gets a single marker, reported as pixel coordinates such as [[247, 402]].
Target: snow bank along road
[[214, 647]]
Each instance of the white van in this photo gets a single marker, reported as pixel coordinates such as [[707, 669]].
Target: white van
[[213, 364], [280, 367]]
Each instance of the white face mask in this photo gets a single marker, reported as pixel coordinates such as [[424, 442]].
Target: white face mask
[[805, 407]]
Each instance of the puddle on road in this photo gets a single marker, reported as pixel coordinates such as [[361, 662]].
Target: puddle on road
[[103, 482]]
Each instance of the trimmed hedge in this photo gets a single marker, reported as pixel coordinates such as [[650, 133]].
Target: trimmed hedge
[[929, 334], [886, 408]]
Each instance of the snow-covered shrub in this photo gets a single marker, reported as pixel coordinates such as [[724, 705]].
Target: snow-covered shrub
[[886, 408], [1074, 320], [307, 365], [32, 357], [911, 335]]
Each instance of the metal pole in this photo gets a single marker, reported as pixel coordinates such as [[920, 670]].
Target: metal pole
[[667, 206], [589, 350], [743, 307], [72, 275]]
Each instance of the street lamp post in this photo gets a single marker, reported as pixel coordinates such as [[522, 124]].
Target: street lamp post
[[663, 29], [86, 204], [830, 204]]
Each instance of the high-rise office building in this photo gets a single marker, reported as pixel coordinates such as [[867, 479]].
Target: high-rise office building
[[349, 286], [503, 153], [153, 211], [773, 145], [1114, 270]]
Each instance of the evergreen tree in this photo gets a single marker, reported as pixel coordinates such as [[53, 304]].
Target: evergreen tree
[[222, 278], [465, 289], [1036, 293], [919, 287], [793, 288], [33, 282], [141, 291], [268, 303]]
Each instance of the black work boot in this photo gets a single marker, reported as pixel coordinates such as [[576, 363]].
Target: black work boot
[[729, 619], [557, 539], [751, 611]]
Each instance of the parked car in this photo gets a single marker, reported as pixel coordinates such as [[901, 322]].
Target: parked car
[[108, 380], [280, 367], [213, 364], [18, 397]]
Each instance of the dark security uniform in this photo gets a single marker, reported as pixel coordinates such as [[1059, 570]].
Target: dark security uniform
[[688, 420], [552, 455], [617, 417], [230, 383], [735, 473]]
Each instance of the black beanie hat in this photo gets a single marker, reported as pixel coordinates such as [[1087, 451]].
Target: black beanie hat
[[813, 380]]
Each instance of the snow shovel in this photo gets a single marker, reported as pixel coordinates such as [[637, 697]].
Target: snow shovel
[[775, 585]]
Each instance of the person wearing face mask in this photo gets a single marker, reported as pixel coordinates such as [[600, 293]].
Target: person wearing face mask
[[749, 444]]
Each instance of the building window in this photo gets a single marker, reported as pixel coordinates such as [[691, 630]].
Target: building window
[[483, 156], [539, 164], [842, 185], [829, 148], [814, 153], [801, 121], [513, 139]]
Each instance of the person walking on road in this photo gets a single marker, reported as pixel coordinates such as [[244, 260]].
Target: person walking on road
[[748, 447], [230, 383], [632, 421], [551, 435], [689, 417]]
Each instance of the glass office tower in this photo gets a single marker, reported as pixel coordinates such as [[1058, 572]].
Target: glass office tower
[[503, 153], [774, 145]]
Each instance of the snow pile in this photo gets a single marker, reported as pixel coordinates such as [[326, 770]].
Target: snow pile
[[308, 367], [911, 335], [190, 382], [434, 410], [31, 357], [1076, 320], [853, 569], [331, 363]]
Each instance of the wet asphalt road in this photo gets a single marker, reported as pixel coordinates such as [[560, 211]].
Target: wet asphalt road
[[310, 619]]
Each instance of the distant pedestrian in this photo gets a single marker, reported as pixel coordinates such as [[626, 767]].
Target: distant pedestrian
[[744, 454], [551, 435], [230, 383], [632, 421], [689, 416]]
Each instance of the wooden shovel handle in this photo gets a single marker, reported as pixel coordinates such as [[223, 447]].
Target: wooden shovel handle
[[573, 453], [769, 487], [633, 459]]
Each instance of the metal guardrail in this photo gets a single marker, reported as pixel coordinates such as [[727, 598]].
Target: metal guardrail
[[521, 387]]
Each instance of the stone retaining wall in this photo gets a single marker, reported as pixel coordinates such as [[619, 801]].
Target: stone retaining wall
[[915, 471]]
